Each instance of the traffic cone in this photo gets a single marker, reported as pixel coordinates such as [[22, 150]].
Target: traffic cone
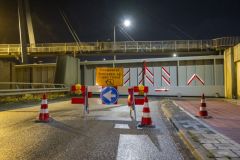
[[44, 115], [146, 117], [203, 109]]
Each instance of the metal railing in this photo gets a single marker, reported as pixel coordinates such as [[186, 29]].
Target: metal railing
[[20, 88], [122, 46]]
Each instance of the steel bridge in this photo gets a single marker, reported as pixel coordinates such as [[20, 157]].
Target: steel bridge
[[128, 47]]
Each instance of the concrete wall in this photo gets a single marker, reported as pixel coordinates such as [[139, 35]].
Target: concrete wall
[[7, 73], [32, 73], [35, 73], [211, 71]]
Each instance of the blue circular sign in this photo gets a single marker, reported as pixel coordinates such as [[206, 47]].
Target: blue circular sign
[[109, 95]]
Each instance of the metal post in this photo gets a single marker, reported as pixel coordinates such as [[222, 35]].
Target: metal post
[[134, 108], [22, 33], [8, 49], [162, 45], [114, 36], [29, 24], [175, 45], [137, 46], [177, 73], [144, 72], [114, 44], [125, 46], [214, 70], [84, 74], [86, 100], [114, 59], [150, 46]]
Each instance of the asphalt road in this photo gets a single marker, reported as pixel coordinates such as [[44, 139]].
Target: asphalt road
[[107, 132]]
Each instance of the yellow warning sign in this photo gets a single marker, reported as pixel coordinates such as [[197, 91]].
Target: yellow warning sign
[[106, 76]]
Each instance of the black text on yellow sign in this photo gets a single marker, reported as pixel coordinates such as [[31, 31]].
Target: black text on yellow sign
[[109, 76]]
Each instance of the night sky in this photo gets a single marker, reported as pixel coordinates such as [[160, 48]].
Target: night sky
[[152, 19]]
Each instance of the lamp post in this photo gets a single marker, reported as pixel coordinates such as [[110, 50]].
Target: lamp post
[[126, 23]]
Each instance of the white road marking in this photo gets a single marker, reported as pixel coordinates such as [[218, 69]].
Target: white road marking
[[121, 126], [136, 147]]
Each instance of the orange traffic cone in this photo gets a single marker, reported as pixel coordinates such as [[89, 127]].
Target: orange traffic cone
[[44, 115], [146, 117], [203, 109]]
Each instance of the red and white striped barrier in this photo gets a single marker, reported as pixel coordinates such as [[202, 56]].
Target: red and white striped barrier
[[79, 90], [126, 77], [140, 76], [141, 90], [80, 97], [195, 77], [149, 75], [166, 76], [161, 90]]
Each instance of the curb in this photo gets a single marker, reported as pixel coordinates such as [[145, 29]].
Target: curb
[[197, 150]]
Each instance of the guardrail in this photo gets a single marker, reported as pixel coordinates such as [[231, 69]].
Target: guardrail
[[122, 46], [20, 88]]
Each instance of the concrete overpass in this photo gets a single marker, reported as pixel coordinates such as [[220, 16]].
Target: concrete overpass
[[160, 48]]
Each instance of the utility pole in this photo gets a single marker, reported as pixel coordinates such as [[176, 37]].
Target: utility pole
[[22, 32], [29, 24], [114, 45]]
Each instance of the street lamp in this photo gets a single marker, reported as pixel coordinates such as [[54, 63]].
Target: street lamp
[[126, 23]]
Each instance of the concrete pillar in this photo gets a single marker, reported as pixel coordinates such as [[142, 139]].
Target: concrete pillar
[[67, 70], [230, 74]]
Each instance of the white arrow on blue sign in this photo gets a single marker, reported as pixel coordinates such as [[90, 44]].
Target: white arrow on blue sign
[[109, 95]]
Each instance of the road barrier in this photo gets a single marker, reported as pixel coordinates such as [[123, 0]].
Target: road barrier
[[141, 90], [83, 93]]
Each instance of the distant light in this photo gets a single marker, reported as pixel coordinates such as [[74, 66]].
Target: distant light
[[40, 61], [35, 57], [127, 23], [104, 59], [174, 55]]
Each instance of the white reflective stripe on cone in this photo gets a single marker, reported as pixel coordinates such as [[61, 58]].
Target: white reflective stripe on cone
[[44, 101], [44, 111], [202, 108], [202, 100], [146, 115]]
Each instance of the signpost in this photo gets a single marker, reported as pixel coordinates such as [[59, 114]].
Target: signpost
[[109, 76], [109, 95]]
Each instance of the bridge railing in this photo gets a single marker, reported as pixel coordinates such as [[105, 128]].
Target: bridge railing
[[225, 42], [123, 46], [20, 88], [6, 49]]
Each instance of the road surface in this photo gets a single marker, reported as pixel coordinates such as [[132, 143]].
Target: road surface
[[107, 132]]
